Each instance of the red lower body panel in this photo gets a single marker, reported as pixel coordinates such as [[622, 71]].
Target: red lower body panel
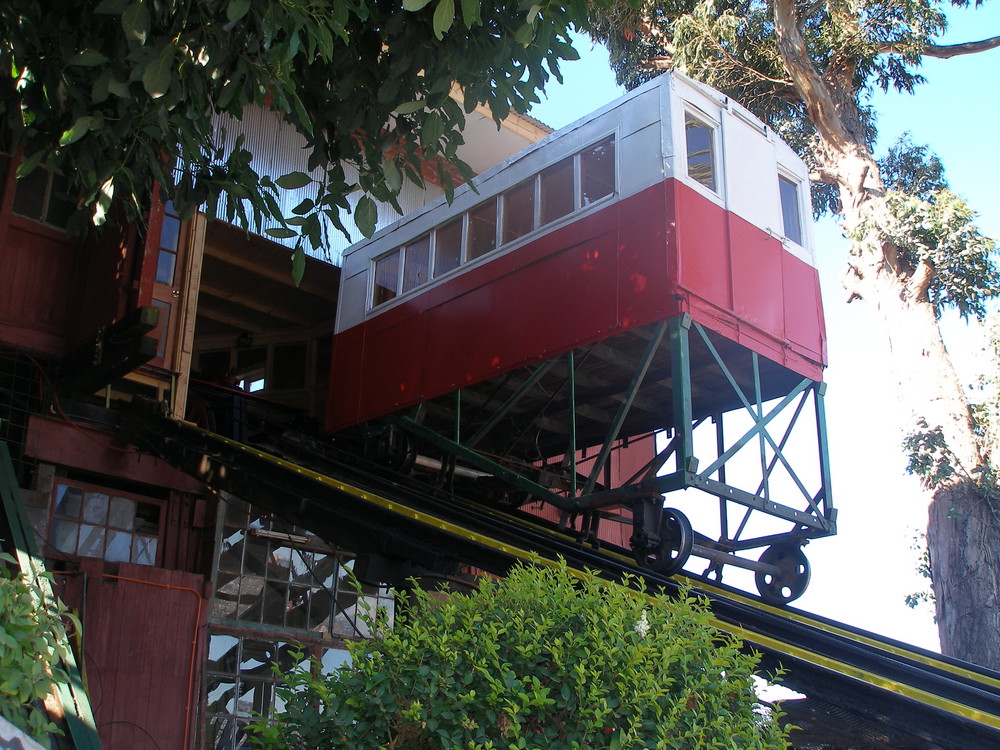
[[654, 255]]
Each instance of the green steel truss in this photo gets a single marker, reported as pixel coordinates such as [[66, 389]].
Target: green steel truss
[[734, 431]]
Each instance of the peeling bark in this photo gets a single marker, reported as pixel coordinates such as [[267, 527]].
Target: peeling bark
[[962, 533]]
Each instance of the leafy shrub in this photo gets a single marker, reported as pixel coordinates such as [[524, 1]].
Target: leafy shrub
[[30, 646], [542, 660]]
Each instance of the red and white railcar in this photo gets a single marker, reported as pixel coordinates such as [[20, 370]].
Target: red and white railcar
[[648, 269]]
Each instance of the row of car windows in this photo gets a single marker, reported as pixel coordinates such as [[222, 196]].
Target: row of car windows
[[567, 186]]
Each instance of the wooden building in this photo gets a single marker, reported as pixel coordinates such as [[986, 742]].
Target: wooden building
[[186, 597]]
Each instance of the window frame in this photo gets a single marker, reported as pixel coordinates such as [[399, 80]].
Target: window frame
[[499, 205], [796, 185], [714, 127], [111, 492]]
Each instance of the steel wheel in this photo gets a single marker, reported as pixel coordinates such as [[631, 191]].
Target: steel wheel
[[676, 539], [792, 578]]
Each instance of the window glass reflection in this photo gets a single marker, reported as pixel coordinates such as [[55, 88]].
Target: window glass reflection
[[557, 191], [597, 172], [700, 151], [518, 211]]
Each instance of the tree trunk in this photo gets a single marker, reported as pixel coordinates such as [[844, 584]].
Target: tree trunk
[[963, 527], [962, 534]]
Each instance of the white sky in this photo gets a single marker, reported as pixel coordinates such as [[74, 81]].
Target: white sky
[[863, 575]]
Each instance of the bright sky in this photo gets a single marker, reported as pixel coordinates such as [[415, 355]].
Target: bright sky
[[863, 575]]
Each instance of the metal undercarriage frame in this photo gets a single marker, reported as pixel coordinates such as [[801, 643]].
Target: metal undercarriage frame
[[548, 431]]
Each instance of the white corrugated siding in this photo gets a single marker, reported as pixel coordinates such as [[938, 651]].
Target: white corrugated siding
[[278, 150]]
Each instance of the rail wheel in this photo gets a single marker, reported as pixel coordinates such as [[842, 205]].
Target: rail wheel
[[392, 448], [792, 578], [676, 539]]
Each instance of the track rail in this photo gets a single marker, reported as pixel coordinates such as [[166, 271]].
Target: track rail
[[895, 690]]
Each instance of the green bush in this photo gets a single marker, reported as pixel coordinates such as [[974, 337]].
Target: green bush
[[542, 660], [30, 647]]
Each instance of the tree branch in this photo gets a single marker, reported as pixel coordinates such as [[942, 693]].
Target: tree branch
[[808, 82], [944, 51]]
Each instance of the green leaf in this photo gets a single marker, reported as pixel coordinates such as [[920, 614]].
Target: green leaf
[[414, 5], [525, 34], [135, 22], [298, 265], [118, 88], [444, 16], [408, 108], [293, 180], [366, 215], [280, 233], [79, 129], [471, 13], [88, 58], [237, 9], [157, 76], [432, 130], [393, 177]]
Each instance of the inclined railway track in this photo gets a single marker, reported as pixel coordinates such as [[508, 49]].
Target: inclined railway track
[[899, 695]]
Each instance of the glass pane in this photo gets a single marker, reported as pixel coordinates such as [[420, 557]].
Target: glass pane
[[700, 151], [224, 730], [171, 230], [91, 541], [275, 603], [301, 566], [222, 653], [60, 209], [119, 547], [165, 263], [448, 247], [416, 263], [224, 603], [518, 211], [162, 326], [482, 230], [297, 615], [231, 556], [279, 562], [144, 550], [64, 536], [122, 513], [386, 278], [597, 171], [220, 693], [790, 209], [29, 194], [147, 518], [251, 589], [68, 501], [557, 196], [256, 658], [95, 507]]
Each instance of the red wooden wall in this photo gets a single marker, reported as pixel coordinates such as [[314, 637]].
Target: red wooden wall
[[143, 651]]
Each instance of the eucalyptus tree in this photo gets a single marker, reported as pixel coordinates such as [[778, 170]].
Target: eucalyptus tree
[[122, 95], [808, 68]]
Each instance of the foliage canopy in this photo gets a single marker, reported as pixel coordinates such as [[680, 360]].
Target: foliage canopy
[[123, 95], [541, 659], [30, 649]]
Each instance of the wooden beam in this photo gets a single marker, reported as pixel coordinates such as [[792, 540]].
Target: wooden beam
[[259, 305], [308, 285]]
